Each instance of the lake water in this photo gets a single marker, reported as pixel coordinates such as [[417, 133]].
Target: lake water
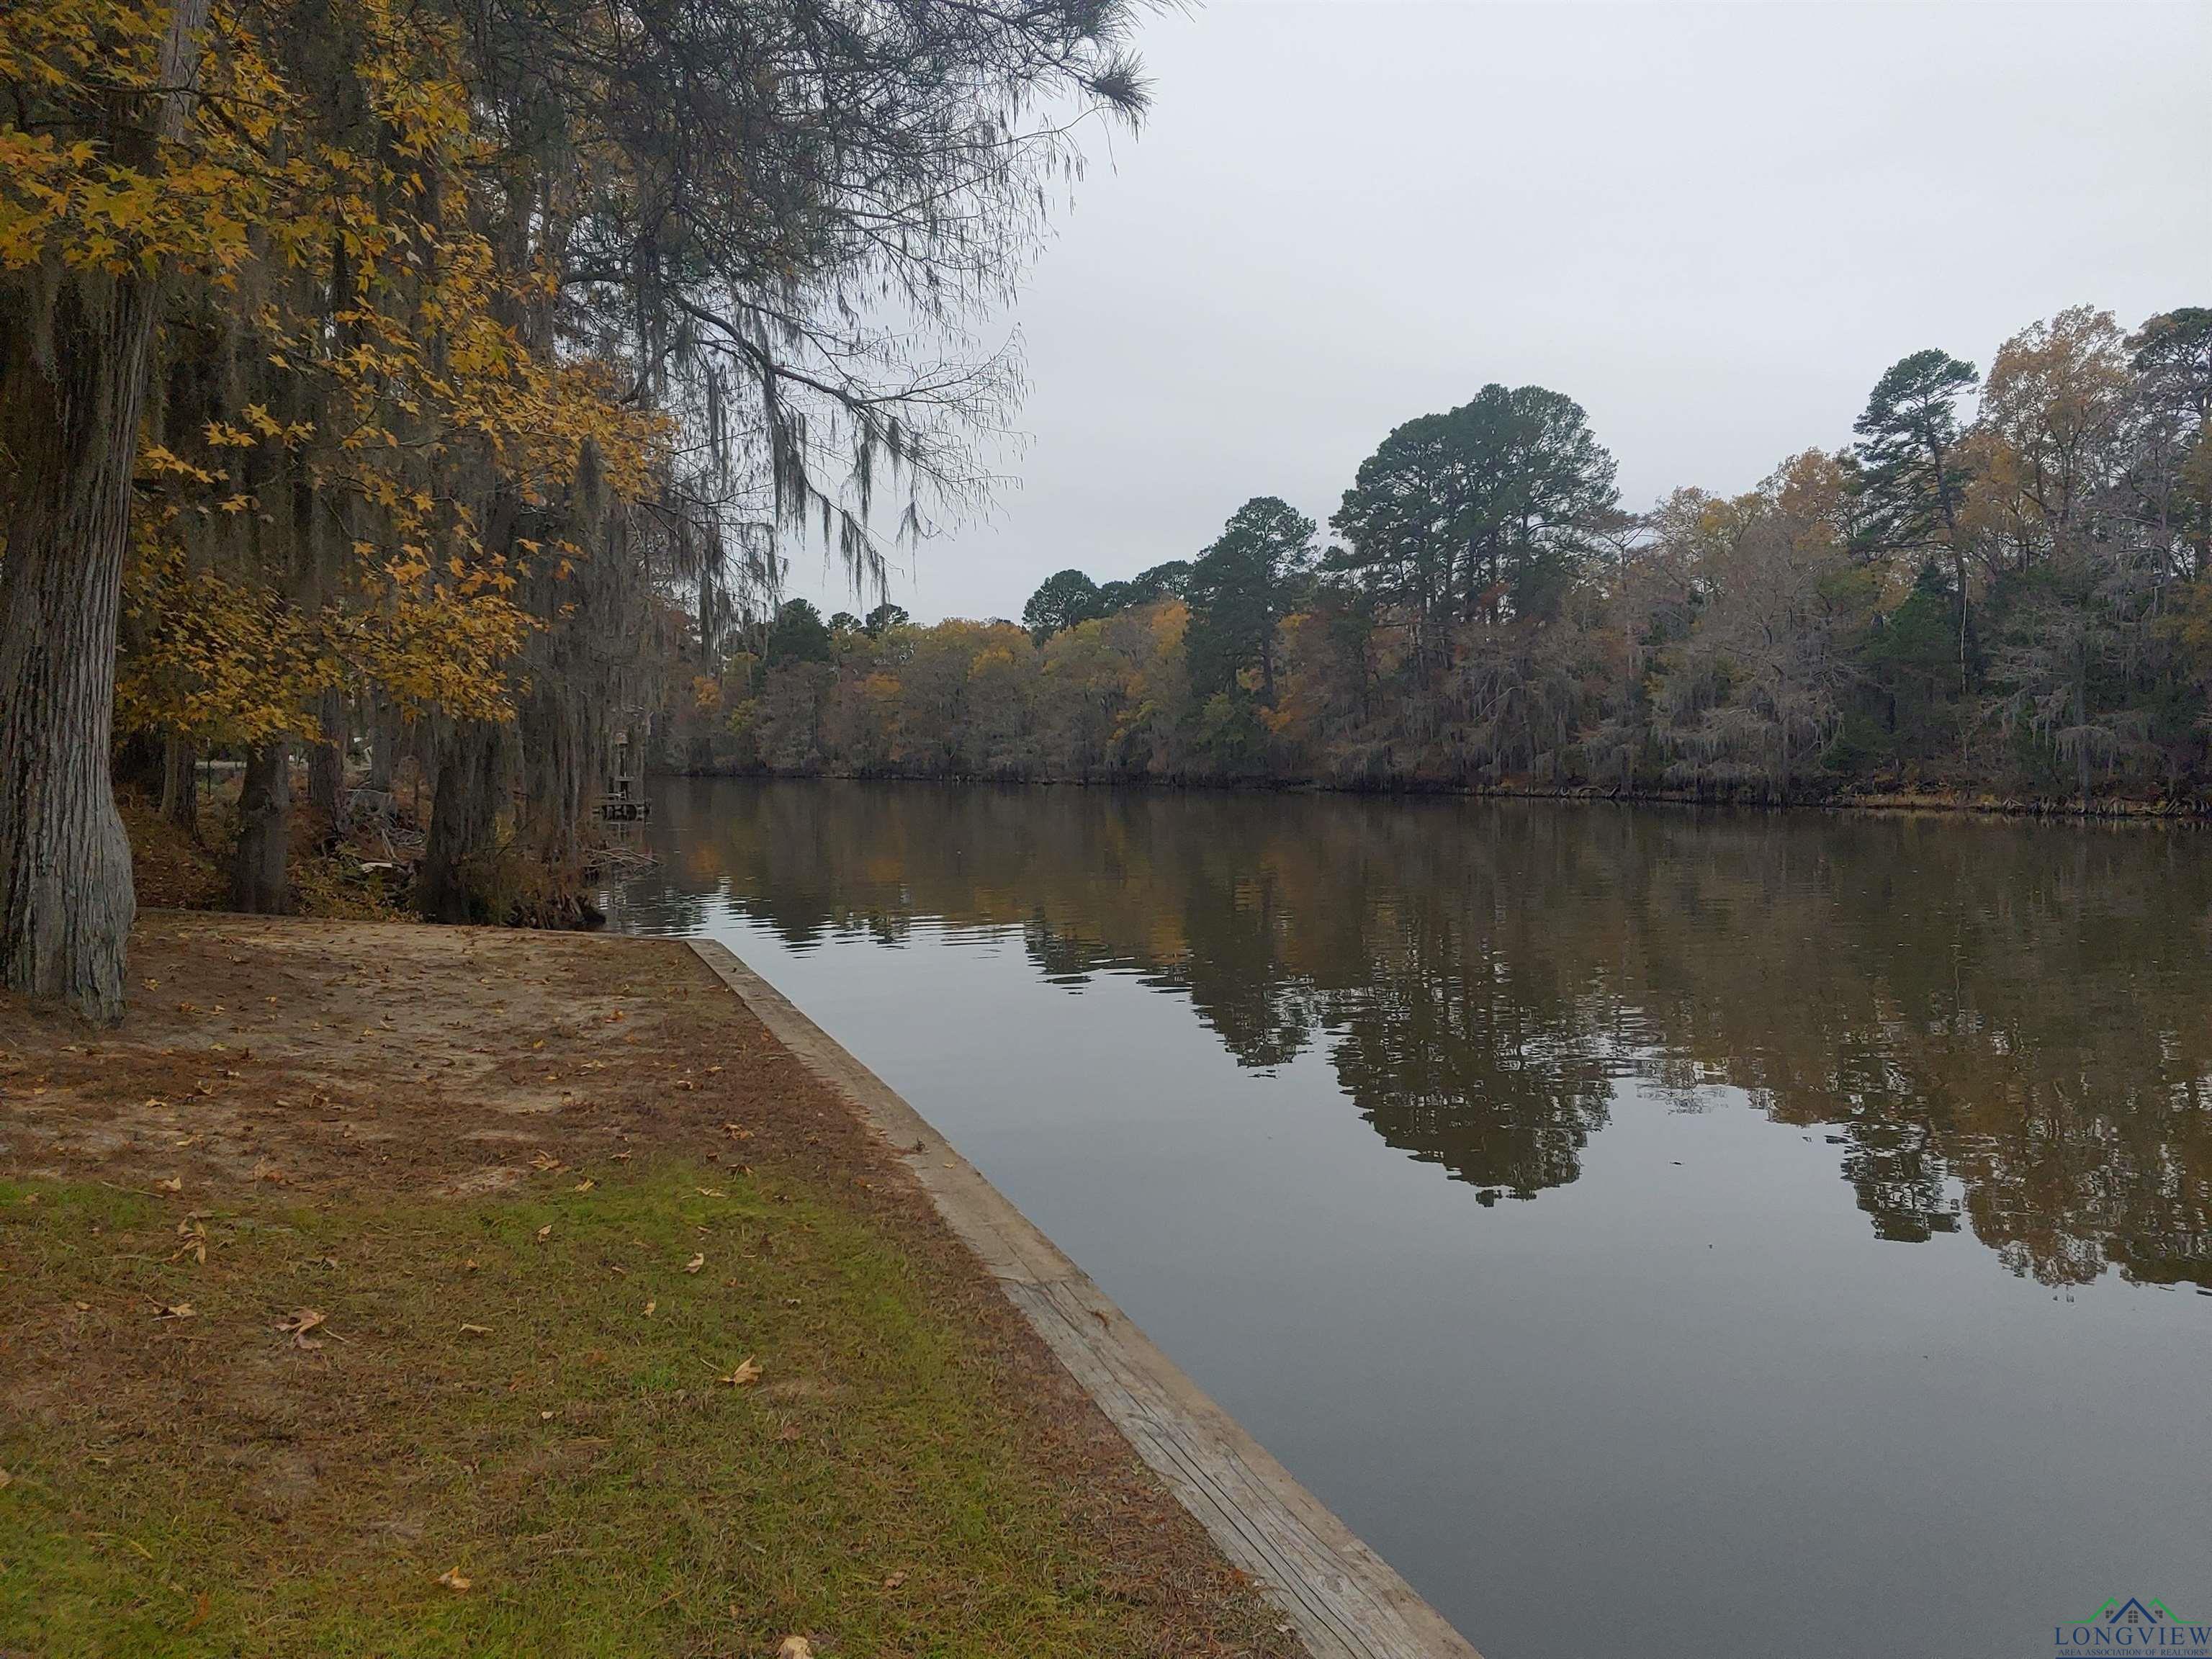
[[1655, 1232]]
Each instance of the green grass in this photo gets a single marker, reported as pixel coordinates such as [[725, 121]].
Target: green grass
[[203, 1485]]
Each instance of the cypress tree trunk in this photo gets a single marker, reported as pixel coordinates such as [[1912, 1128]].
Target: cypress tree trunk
[[555, 735], [66, 903], [137, 759], [265, 824], [460, 877], [73, 366], [326, 766], [383, 744], [181, 795], [70, 430]]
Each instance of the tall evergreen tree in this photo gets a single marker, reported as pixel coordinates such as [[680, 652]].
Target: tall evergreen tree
[[1912, 473], [797, 635], [1256, 572], [1061, 600], [1486, 512]]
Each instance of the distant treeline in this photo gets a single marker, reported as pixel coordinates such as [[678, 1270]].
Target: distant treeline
[[2002, 586]]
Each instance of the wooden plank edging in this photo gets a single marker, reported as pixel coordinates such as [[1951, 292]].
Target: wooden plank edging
[[1343, 1600]]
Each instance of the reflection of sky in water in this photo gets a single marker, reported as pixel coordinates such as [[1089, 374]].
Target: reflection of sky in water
[[1747, 1370]]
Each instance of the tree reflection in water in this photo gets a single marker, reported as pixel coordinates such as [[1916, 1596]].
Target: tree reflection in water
[[2006, 1025]]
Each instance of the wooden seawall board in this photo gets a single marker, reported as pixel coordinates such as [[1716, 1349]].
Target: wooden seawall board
[[1343, 1601]]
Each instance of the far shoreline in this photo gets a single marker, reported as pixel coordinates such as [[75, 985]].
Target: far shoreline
[[1893, 803]]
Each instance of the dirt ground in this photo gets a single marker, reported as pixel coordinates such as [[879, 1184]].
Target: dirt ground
[[319, 1055], [306, 1069]]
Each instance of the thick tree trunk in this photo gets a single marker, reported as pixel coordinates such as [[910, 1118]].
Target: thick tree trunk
[[66, 903], [462, 876], [72, 365], [383, 744], [70, 429], [559, 760], [326, 767], [136, 759], [264, 831], [180, 794]]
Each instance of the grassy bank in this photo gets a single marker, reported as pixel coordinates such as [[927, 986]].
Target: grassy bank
[[395, 1290]]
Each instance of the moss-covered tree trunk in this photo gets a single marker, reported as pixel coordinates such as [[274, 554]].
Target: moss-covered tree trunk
[[464, 876], [559, 738]]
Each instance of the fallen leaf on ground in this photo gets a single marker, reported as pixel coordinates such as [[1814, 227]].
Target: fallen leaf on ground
[[477, 1330], [545, 1232], [795, 1647], [895, 1581], [545, 1163], [585, 1185], [694, 1264], [173, 1184], [710, 1192], [649, 1307], [297, 1325], [452, 1579], [177, 1310], [747, 1371]]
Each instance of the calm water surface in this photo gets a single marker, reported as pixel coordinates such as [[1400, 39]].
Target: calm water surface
[[1654, 1232]]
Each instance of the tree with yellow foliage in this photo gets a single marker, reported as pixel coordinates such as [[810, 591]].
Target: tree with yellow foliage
[[102, 204], [475, 331]]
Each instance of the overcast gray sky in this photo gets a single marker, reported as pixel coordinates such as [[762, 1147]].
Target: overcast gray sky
[[1713, 226]]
